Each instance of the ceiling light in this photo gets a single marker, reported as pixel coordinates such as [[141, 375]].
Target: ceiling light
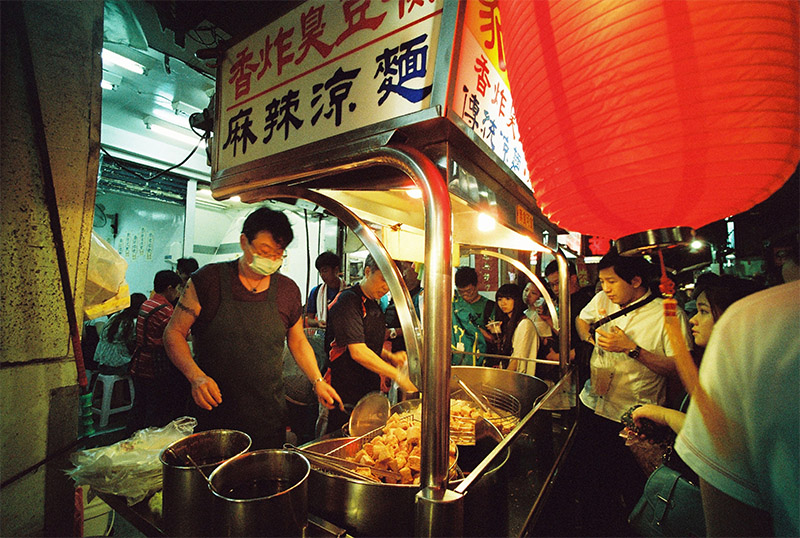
[[486, 223], [170, 117], [164, 131], [184, 108], [696, 244], [111, 81], [121, 61]]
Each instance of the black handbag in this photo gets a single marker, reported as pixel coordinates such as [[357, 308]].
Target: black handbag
[[670, 506]]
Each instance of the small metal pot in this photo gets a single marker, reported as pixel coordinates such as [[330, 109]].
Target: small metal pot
[[262, 493], [187, 500]]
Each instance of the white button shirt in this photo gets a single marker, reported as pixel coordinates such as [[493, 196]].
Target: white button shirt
[[633, 382]]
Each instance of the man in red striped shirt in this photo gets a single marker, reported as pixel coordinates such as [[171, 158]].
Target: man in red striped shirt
[[161, 390]]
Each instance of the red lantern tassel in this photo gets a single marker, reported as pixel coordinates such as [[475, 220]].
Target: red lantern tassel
[[713, 417]]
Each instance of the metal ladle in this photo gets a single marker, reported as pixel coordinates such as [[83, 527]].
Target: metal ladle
[[371, 412], [199, 470]]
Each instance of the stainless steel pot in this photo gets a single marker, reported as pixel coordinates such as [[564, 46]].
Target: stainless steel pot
[[187, 501], [524, 387], [262, 493], [370, 509]]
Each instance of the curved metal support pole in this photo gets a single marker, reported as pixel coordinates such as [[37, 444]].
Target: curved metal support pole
[[527, 272], [565, 316], [409, 321], [437, 282]]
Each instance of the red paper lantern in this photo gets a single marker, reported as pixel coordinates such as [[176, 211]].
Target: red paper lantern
[[638, 115]]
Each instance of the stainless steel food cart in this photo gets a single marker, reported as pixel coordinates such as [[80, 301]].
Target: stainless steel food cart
[[354, 117]]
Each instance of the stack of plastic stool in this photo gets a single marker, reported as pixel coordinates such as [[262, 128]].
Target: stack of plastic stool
[[108, 381]]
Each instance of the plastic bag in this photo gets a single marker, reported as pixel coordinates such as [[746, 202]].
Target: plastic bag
[[120, 301], [131, 467], [105, 274]]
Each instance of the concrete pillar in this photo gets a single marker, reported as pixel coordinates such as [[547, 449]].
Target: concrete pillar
[[39, 403]]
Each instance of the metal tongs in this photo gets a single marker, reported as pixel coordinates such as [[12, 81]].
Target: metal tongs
[[343, 466], [486, 407]]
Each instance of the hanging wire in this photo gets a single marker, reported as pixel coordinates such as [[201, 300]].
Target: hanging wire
[[161, 173]]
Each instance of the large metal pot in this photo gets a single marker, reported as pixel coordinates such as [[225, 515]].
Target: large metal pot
[[187, 501], [522, 386], [370, 509], [262, 493]]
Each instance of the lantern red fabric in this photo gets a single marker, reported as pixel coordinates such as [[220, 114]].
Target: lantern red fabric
[[638, 115]]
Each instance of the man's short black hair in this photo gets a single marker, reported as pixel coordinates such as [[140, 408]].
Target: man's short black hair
[[265, 219], [327, 259], [370, 262], [187, 266], [552, 267], [466, 276], [628, 267], [164, 279]]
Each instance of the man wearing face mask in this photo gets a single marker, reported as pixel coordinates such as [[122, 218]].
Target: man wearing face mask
[[240, 313]]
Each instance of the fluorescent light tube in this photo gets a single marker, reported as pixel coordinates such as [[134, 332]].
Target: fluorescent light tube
[[170, 117], [165, 131], [123, 62]]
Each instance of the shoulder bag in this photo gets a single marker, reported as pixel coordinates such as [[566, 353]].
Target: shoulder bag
[[615, 315], [669, 506]]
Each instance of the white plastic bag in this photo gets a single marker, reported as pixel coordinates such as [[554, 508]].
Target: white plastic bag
[[130, 468], [105, 273]]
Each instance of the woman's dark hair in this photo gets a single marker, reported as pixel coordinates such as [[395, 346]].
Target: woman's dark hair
[[510, 291], [723, 290], [122, 322]]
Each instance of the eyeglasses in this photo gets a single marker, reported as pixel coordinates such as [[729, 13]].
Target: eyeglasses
[[270, 255], [273, 257]]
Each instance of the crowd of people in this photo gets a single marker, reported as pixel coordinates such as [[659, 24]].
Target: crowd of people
[[212, 342]]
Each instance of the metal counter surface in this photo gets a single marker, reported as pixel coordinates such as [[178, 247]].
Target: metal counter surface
[[145, 521], [535, 456]]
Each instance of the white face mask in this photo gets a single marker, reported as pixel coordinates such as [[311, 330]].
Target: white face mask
[[265, 266]]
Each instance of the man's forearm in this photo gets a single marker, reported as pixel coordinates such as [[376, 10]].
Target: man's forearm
[[660, 364], [181, 356], [372, 362], [583, 329]]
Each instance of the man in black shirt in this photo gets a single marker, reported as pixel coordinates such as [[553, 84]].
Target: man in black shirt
[[395, 332], [580, 351], [355, 336]]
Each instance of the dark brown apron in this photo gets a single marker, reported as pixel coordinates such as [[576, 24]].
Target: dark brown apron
[[241, 349]]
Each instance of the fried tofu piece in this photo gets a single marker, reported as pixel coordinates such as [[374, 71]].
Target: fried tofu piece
[[414, 463], [414, 435], [405, 475], [364, 471], [383, 455]]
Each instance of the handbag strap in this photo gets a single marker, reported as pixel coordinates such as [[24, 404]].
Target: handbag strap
[[664, 493], [615, 315], [146, 320]]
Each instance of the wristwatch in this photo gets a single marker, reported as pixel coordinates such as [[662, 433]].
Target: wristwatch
[[392, 333], [634, 353]]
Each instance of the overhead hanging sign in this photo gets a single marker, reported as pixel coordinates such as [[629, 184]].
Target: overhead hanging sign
[[324, 69], [482, 97]]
